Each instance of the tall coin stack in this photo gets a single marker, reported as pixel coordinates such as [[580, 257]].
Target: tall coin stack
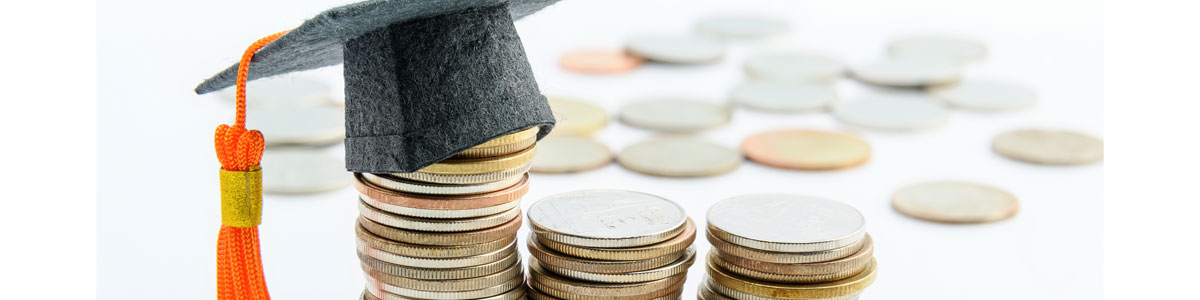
[[608, 244], [780, 246], [447, 231]]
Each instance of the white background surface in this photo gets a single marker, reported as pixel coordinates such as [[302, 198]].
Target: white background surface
[[158, 213]]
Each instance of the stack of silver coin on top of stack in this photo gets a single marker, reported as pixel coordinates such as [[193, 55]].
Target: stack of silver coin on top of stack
[[609, 244], [447, 231], [779, 246]]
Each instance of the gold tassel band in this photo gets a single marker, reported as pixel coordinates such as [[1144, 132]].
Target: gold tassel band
[[241, 197]]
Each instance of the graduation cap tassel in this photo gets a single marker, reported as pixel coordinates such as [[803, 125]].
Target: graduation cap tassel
[[239, 264]]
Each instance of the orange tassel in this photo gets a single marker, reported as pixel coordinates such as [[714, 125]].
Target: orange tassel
[[239, 263]]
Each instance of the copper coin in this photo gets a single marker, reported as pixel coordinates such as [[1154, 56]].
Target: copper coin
[[601, 61], [851, 264], [806, 149], [440, 238], [389, 197]]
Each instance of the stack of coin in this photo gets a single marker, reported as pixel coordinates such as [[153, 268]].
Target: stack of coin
[[447, 231], [608, 244], [780, 246]]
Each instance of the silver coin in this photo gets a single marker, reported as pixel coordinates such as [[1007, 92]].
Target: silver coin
[[953, 48], [313, 125], [606, 218], [676, 49], [437, 225], [674, 115], [283, 92], [985, 95], [679, 157], [743, 26], [378, 288], [786, 223], [955, 202], [678, 266], [569, 154], [909, 72], [465, 179], [440, 213], [1049, 147], [794, 67], [784, 97], [303, 171], [411, 186], [893, 112], [436, 263]]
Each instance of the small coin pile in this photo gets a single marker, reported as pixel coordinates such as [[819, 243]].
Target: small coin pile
[[608, 244], [780, 246], [447, 231]]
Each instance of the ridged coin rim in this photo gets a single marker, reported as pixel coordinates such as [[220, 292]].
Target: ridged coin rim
[[427, 251], [438, 263], [416, 187], [718, 289], [551, 258], [441, 238], [440, 274], [839, 288], [386, 196], [782, 278], [514, 294], [854, 263], [728, 248], [376, 287], [678, 243], [436, 225], [467, 166], [566, 288], [679, 266], [440, 213], [445, 285]]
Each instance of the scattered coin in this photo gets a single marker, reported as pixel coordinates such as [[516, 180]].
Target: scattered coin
[[600, 61], [742, 26], [606, 218], [795, 67], [909, 72], [1049, 147], [312, 125], [282, 92], [985, 95], [785, 222], [953, 48], [892, 112], [569, 154], [784, 97], [955, 202], [676, 49], [577, 117], [302, 171], [671, 115], [806, 149], [679, 157]]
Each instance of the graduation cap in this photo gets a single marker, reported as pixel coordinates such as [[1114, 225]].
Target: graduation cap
[[425, 79]]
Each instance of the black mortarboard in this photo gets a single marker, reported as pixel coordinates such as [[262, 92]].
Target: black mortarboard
[[424, 79]]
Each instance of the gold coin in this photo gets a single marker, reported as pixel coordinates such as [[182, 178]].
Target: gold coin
[[534, 294], [517, 293], [677, 267], [1049, 147], [440, 238], [729, 293], [806, 149], [440, 274], [705, 292], [466, 166], [384, 289], [502, 145], [576, 117], [955, 202], [467, 178], [560, 287], [832, 289], [847, 266], [675, 244], [370, 240], [436, 225], [757, 271], [731, 249], [552, 259], [445, 285]]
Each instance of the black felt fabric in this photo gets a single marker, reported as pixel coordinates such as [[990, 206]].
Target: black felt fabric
[[424, 79], [412, 104]]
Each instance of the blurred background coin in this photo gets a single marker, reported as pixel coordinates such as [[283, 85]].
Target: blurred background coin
[[1049, 147], [960, 49], [794, 67], [283, 92], [806, 149], [600, 61], [576, 117], [955, 202], [772, 96], [679, 157], [892, 112], [985, 95], [311, 125], [674, 115], [915, 71], [569, 154], [302, 170], [676, 49], [742, 26]]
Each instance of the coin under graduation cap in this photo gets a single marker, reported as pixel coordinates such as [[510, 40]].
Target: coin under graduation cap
[[985, 95], [570, 154], [676, 49], [892, 112], [785, 222], [783, 97], [601, 61], [577, 117], [794, 67], [606, 218], [955, 202], [1049, 147], [679, 157], [300, 171], [909, 72], [742, 26], [944, 47], [674, 115], [806, 149]]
